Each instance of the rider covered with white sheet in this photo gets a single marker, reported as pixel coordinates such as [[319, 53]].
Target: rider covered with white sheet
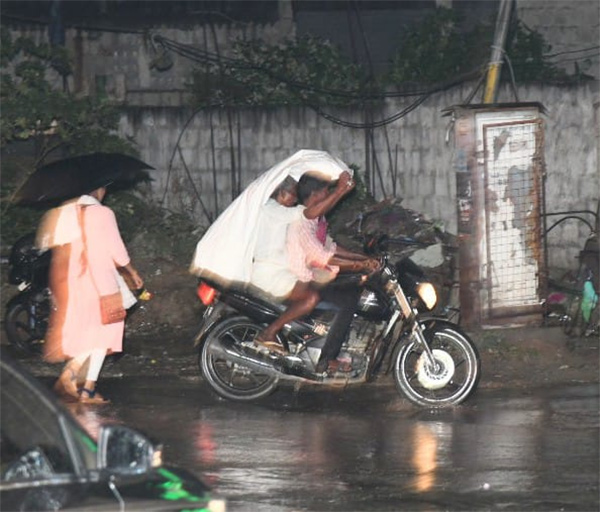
[[246, 244]]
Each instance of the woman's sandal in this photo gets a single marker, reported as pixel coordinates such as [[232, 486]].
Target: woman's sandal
[[66, 384], [91, 396]]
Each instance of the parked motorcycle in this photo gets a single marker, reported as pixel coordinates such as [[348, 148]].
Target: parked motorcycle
[[433, 362], [26, 315]]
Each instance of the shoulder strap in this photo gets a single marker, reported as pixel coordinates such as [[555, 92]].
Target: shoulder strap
[[84, 257]]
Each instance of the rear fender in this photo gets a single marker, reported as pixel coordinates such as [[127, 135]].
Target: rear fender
[[212, 316], [19, 298], [24, 297]]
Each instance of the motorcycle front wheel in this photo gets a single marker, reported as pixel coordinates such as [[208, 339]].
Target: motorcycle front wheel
[[447, 383], [231, 379], [22, 331]]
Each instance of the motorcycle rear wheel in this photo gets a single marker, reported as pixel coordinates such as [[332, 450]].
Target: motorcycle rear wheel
[[228, 379], [20, 333], [456, 378]]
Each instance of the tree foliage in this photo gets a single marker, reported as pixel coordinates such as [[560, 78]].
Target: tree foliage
[[306, 71], [441, 48], [436, 50], [312, 71], [37, 111], [34, 106], [526, 51]]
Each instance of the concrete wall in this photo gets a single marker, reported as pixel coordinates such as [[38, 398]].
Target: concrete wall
[[571, 27], [193, 153], [414, 156], [120, 63]]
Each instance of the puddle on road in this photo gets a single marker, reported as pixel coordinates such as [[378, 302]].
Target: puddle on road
[[367, 449]]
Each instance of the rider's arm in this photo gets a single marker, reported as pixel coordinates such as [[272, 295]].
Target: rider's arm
[[344, 185], [351, 265], [350, 261], [345, 253], [301, 240]]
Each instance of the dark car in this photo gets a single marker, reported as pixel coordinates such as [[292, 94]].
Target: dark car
[[49, 462]]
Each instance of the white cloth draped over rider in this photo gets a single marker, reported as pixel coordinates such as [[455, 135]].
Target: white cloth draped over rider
[[226, 250]]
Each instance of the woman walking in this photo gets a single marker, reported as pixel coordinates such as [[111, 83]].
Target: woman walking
[[88, 255]]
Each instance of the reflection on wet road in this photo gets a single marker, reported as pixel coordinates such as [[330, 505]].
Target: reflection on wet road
[[367, 449]]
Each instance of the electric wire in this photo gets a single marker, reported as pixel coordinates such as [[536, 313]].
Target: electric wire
[[566, 52], [203, 56], [208, 58]]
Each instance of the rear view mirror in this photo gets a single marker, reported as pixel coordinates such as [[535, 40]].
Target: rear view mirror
[[124, 451]]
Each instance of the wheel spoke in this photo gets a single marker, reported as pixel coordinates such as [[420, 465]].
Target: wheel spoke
[[459, 363]]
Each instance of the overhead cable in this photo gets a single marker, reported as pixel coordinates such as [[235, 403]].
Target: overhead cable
[[203, 56]]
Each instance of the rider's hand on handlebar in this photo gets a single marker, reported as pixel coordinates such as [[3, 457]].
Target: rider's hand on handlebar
[[369, 266], [372, 265]]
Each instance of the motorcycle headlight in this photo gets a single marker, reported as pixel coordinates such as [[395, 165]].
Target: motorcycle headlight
[[427, 294]]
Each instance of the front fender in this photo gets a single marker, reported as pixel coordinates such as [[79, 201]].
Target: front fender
[[431, 323], [428, 325]]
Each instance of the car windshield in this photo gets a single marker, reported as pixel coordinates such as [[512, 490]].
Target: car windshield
[[35, 434]]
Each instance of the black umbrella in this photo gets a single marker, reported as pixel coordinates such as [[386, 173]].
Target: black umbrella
[[72, 177]]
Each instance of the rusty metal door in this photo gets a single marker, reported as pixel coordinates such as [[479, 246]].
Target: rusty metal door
[[511, 249], [500, 201]]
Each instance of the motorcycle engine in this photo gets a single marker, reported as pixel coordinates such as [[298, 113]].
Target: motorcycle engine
[[361, 338]]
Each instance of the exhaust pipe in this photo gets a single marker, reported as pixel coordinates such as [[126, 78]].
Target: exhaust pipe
[[257, 362]]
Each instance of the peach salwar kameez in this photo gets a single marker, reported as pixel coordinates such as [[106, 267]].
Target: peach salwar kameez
[[77, 283]]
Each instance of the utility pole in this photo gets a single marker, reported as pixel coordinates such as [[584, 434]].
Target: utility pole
[[493, 74]]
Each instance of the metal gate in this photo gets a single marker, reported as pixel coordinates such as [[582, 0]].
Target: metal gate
[[499, 170], [513, 191]]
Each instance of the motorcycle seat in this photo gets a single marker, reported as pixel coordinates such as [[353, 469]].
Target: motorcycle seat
[[252, 292]]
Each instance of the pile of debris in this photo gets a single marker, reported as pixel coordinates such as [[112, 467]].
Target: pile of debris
[[401, 233]]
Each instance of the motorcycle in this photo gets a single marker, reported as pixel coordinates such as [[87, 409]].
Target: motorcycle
[[26, 315], [433, 361]]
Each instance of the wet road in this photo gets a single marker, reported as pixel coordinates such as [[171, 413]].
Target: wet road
[[367, 449]]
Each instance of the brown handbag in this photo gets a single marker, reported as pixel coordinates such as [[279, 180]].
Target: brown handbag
[[112, 310]]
